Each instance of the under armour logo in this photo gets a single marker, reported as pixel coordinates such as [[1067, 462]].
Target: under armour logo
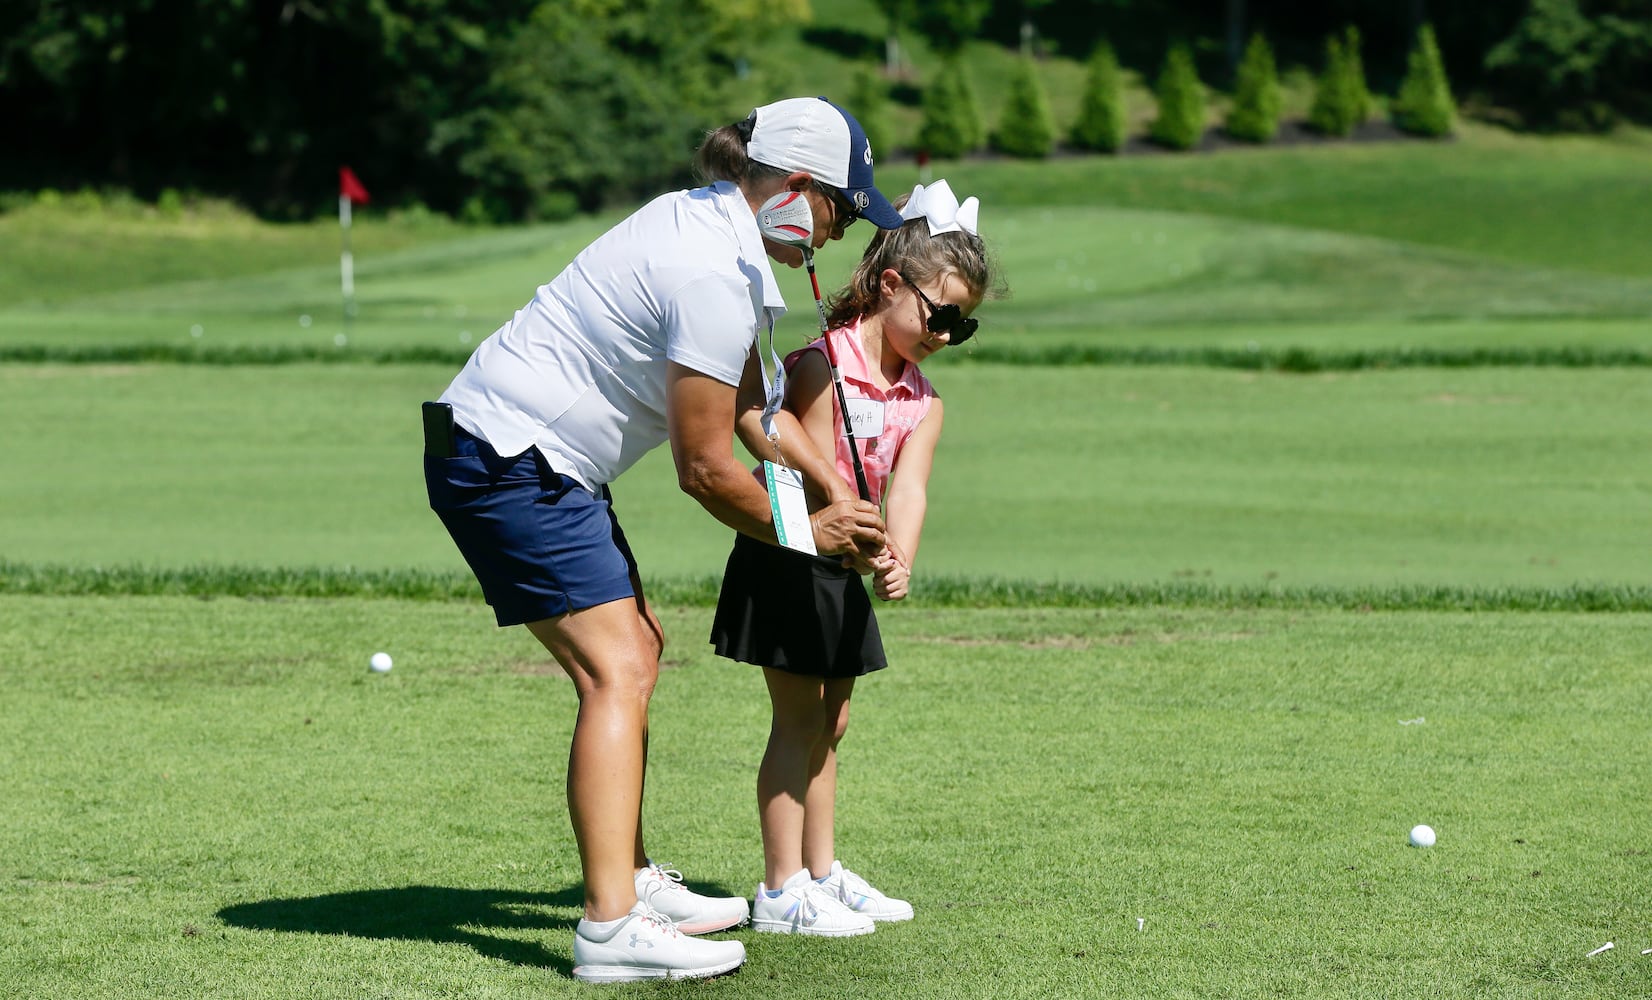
[[635, 942]]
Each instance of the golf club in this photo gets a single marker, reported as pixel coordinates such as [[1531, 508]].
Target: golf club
[[788, 220]]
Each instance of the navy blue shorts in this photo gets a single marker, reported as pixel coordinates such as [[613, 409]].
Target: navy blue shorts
[[540, 544]]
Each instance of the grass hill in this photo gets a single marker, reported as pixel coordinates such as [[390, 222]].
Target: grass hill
[[1202, 248]]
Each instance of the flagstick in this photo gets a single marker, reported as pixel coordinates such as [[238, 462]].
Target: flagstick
[[346, 262]]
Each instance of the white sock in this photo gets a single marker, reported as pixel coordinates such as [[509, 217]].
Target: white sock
[[599, 930]]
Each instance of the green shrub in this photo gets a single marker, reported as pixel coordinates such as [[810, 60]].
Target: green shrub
[[951, 117], [170, 204], [416, 215], [481, 210], [555, 205], [869, 103], [86, 201], [120, 202], [1025, 127], [1256, 95], [1102, 121], [1181, 97], [1423, 105], [1341, 102]]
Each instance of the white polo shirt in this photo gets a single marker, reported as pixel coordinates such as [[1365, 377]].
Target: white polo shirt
[[580, 371]]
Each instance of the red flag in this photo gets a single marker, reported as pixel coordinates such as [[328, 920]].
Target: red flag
[[349, 187]]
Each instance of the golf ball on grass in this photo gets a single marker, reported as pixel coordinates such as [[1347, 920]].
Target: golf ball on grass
[[1422, 835], [380, 663]]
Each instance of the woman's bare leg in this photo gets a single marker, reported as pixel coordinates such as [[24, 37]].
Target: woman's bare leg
[[613, 658]]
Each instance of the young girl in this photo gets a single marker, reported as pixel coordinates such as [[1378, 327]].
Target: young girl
[[807, 620]]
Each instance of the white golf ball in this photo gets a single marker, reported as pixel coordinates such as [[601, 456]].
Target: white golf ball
[[1422, 835], [380, 663]]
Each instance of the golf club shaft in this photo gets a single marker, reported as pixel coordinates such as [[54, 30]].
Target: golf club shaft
[[837, 381]]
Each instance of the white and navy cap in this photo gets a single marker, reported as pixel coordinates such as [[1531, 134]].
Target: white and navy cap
[[813, 134]]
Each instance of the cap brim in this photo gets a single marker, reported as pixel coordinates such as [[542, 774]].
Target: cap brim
[[878, 211]]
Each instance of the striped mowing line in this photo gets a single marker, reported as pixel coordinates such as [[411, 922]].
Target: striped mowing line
[[950, 592], [1289, 359]]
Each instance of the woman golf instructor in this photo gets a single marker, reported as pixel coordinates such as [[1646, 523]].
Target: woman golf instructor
[[649, 335]]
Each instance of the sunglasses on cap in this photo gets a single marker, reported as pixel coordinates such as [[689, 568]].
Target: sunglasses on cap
[[843, 213], [948, 319]]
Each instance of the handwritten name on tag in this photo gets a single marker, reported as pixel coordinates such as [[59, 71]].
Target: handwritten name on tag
[[865, 418]]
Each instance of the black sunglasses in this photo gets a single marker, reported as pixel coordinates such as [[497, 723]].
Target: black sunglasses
[[948, 319], [843, 211]]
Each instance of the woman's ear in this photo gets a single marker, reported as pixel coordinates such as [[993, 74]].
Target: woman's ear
[[799, 180]]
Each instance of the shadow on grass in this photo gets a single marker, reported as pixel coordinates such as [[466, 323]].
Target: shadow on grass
[[424, 913]]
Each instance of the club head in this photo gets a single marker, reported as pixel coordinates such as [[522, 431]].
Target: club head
[[788, 220]]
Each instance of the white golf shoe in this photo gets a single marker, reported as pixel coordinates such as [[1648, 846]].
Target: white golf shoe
[[858, 895], [645, 945], [804, 906], [663, 889]]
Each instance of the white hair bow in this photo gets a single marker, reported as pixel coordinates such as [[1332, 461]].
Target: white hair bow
[[939, 206]]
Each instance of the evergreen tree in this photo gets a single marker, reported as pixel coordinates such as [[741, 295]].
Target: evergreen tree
[[1341, 101], [1423, 105], [1102, 120], [1326, 113], [1181, 98], [1025, 127], [951, 116], [1256, 97], [1353, 67]]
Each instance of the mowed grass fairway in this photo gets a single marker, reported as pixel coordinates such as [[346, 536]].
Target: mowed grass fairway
[[1294, 497], [1088, 474], [222, 801]]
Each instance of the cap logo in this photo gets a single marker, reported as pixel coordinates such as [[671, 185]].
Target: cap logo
[[867, 155], [861, 201]]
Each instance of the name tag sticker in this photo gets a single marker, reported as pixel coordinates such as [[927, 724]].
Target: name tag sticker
[[865, 418], [790, 507]]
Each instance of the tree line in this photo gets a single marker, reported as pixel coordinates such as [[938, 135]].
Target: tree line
[[509, 109], [953, 124]]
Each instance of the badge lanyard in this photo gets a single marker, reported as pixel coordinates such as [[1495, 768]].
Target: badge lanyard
[[785, 486], [774, 390]]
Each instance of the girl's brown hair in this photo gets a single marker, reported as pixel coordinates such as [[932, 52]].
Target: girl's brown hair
[[920, 257]]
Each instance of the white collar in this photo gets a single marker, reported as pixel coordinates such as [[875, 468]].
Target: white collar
[[752, 252]]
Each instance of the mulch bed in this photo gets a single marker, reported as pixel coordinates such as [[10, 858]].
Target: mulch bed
[[1291, 133]]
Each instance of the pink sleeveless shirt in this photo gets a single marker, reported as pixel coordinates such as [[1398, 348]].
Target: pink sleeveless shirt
[[904, 405]]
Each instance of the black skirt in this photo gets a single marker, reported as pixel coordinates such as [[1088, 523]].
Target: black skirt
[[795, 612]]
